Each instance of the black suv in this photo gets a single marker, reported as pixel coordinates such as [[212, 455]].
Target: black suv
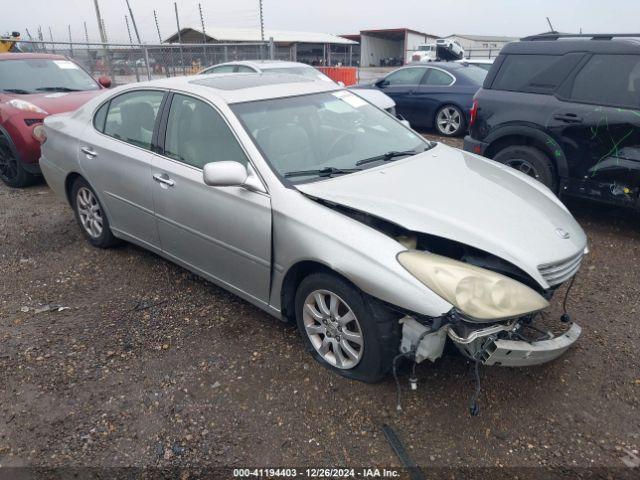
[[567, 112]]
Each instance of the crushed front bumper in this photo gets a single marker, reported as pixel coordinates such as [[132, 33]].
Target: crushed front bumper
[[517, 353]]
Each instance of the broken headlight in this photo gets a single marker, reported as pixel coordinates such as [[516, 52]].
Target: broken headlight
[[478, 293]]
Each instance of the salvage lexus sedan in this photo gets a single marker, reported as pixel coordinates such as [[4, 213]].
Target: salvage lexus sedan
[[307, 201]]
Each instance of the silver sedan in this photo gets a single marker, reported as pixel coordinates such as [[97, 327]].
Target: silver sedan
[[319, 208]]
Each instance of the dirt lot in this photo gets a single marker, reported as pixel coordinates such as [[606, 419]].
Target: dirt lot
[[151, 366]]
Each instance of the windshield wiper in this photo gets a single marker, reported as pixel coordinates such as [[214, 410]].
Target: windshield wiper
[[385, 157], [57, 89], [16, 90], [322, 172]]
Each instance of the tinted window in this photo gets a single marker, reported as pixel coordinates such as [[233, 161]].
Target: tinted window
[[474, 73], [406, 76], [100, 117], [534, 73], [197, 134], [609, 80], [245, 69], [438, 77], [132, 117]]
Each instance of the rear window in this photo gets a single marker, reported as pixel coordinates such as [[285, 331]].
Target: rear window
[[534, 73]]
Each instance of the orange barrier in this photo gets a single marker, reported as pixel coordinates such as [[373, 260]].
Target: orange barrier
[[346, 75]]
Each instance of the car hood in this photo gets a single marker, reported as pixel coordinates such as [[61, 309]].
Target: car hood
[[57, 102], [463, 197]]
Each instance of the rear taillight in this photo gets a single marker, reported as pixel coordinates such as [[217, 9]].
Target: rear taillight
[[473, 112]]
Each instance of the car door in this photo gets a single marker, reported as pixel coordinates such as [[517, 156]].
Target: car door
[[401, 85], [116, 159], [433, 91], [222, 233], [596, 119]]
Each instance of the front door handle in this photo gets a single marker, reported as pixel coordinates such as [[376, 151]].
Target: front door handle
[[568, 117], [164, 179], [89, 152]]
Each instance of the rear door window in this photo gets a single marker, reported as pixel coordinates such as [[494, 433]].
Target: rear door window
[[609, 80], [535, 73], [132, 117], [406, 76]]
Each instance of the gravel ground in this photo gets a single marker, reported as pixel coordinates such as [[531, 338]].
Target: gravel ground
[[148, 365]]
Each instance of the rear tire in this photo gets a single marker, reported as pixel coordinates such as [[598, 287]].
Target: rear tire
[[376, 326], [450, 121], [12, 172], [90, 215], [530, 161]]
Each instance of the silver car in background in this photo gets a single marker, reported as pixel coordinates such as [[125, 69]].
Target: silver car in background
[[317, 207]]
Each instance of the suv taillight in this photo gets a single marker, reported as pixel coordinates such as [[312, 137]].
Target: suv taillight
[[473, 112]]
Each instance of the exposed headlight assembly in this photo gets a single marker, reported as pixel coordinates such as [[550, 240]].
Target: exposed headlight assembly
[[26, 106], [478, 293]]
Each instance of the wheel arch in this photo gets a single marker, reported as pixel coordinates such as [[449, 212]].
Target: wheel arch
[[295, 274], [68, 183], [529, 136]]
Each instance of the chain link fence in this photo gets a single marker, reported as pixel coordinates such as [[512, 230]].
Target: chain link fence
[[126, 63]]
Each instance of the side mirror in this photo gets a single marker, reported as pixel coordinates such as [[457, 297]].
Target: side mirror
[[381, 83], [105, 82], [224, 174]]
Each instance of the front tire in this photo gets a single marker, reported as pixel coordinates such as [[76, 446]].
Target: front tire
[[12, 172], [530, 161], [344, 329], [450, 121], [90, 215]]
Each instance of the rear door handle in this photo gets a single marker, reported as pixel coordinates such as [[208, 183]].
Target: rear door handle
[[568, 117], [89, 152], [164, 179]]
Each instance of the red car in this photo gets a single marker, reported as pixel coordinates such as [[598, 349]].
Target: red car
[[33, 86]]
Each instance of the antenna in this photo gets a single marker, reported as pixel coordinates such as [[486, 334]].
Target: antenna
[[155, 16], [550, 26], [261, 22], [133, 20]]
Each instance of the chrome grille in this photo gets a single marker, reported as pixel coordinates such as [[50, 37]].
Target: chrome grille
[[557, 272]]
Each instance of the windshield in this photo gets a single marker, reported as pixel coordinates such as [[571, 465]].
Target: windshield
[[331, 132], [425, 48], [43, 75], [308, 72]]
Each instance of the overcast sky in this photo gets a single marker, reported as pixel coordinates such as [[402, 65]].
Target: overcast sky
[[491, 17]]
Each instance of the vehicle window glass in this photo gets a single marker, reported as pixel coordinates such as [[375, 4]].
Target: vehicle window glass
[[44, 75], [475, 73], [100, 117], [245, 69], [324, 130], [405, 76], [609, 80], [223, 69], [132, 117], [534, 73], [197, 134], [438, 78]]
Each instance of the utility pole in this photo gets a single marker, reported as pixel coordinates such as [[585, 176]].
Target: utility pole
[[70, 41], [133, 21], [261, 22], [103, 35], [86, 33], [53, 47]]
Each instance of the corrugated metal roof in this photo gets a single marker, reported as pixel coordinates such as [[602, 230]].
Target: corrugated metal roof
[[253, 35], [484, 38]]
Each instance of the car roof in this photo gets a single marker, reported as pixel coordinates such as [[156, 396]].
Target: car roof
[[563, 46], [34, 56], [243, 87], [265, 64]]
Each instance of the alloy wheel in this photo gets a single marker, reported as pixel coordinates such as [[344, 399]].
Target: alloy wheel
[[524, 166], [8, 161], [333, 329], [89, 212], [448, 120]]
